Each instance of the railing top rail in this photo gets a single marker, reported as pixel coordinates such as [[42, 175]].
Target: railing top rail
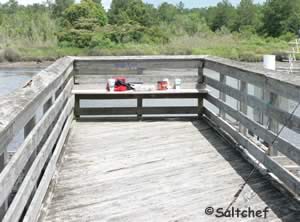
[[17, 107], [137, 58]]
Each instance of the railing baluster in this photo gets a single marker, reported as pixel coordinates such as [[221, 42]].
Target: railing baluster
[[48, 104], [243, 105], [27, 129], [3, 162], [222, 96], [77, 107], [273, 124], [29, 126], [200, 85], [139, 107]]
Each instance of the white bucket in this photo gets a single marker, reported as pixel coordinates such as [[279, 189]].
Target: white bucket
[[177, 83], [111, 84], [270, 62]]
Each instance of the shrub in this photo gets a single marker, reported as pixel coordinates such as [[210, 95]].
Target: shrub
[[87, 9], [11, 55], [2, 57], [250, 57], [100, 41], [288, 37], [75, 38]]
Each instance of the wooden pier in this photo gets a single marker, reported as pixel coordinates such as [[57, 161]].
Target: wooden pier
[[149, 163]]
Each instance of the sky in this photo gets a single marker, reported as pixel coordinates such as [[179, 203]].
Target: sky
[[187, 3]]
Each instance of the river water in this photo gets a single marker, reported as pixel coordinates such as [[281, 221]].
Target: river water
[[12, 78]]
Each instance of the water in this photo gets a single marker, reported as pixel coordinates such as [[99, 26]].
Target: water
[[12, 78]]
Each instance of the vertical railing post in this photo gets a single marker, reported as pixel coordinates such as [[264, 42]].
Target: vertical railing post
[[27, 129], [29, 126], [77, 107], [243, 104], [48, 104], [258, 115], [273, 100], [139, 107], [3, 162], [222, 95], [200, 85]]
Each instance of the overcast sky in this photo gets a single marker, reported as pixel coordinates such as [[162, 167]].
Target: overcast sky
[[187, 3]]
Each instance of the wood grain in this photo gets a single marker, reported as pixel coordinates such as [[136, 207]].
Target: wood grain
[[153, 171]]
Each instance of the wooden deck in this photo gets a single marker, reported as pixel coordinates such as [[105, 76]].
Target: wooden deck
[[155, 171]]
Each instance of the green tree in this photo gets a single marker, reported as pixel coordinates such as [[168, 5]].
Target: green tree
[[81, 24], [132, 11], [224, 14], [167, 12], [87, 9], [180, 6], [281, 16], [248, 16], [60, 6], [10, 7]]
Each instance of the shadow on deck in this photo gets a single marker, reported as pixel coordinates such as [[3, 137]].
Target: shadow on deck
[[155, 170]]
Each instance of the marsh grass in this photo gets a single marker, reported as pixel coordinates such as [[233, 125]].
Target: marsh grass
[[250, 48]]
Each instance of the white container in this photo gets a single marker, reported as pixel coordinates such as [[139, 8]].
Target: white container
[[270, 62], [177, 83], [111, 84], [168, 83]]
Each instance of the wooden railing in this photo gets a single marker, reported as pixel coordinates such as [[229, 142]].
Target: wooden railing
[[96, 70], [26, 176], [148, 69], [260, 138]]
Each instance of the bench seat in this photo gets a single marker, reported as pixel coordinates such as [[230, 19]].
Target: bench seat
[[139, 110]]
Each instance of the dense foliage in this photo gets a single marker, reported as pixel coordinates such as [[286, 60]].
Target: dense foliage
[[135, 27]]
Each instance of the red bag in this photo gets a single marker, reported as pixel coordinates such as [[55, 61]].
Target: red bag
[[120, 84]]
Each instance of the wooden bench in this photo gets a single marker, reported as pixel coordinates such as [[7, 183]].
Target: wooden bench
[[139, 110]]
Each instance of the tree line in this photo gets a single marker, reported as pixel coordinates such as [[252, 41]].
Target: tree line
[[87, 24]]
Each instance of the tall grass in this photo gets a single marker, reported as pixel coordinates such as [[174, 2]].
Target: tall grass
[[33, 29], [232, 45]]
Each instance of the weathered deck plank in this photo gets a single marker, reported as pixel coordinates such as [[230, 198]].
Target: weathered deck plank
[[155, 171]]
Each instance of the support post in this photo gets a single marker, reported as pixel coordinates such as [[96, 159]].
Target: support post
[[48, 104], [27, 129], [258, 116], [3, 162], [77, 107], [222, 95], [200, 85], [273, 124], [29, 126], [139, 107], [243, 105]]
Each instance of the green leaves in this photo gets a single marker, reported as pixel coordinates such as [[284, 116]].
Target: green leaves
[[131, 12], [281, 16], [87, 9], [130, 21]]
